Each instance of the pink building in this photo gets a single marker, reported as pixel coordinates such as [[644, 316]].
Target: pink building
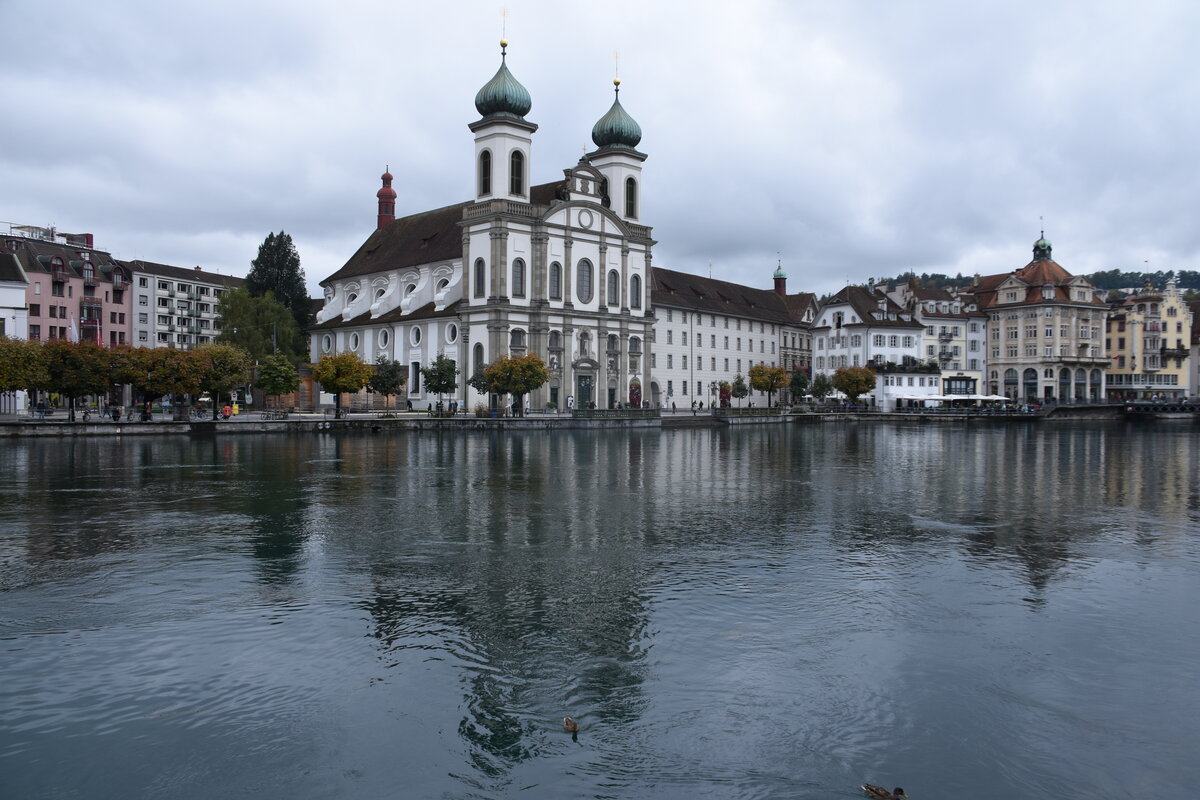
[[75, 291]]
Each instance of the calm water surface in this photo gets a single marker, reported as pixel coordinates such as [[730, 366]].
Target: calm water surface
[[995, 612]]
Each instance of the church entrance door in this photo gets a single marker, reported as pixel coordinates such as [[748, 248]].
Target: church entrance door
[[584, 387]]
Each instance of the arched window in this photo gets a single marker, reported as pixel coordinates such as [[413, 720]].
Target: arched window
[[635, 345], [478, 359], [516, 339], [613, 343], [583, 281], [518, 278], [614, 291], [556, 281], [516, 175], [555, 340], [631, 198], [485, 172], [480, 277], [635, 291]]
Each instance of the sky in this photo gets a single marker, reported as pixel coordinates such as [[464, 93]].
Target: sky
[[845, 140]]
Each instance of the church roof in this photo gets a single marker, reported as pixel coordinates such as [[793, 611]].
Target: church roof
[[423, 238], [616, 128], [427, 311], [697, 293]]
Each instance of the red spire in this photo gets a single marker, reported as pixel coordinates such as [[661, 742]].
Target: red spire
[[387, 202]]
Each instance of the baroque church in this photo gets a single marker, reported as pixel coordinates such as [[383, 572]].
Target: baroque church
[[561, 270]]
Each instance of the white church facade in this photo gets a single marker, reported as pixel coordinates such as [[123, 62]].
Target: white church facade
[[560, 270]]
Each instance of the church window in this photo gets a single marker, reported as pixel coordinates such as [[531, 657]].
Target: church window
[[518, 278], [485, 172], [583, 281], [635, 345], [480, 277], [451, 333], [631, 198], [516, 340], [613, 343], [555, 340], [516, 176], [556, 281], [478, 359], [635, 292], [354, 341], [613, 290], [384, 338]]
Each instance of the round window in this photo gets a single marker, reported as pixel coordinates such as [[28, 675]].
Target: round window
[[451, 333], [384, 338], [326, 343], [415, 336], [354, 341]]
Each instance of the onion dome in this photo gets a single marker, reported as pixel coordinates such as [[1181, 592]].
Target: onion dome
[[779, 273], [387, 192], [616, 128], [1041, 248], [503, 94]]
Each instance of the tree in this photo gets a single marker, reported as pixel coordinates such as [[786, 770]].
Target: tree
[[768, 379], [441, 377], [799, 383], [821, 387], [739, 388], [259, 325], [344, 372], [516, 375], [277, 375], [76, 369], [854, 381], [171, 372], [221, 368], [479, 382], [389, 378], [724, 392], [22, 365], [277, 270]]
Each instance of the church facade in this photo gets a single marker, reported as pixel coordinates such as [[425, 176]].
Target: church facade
[[561, 269]]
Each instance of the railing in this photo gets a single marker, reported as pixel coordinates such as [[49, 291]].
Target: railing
[[1174, 352], [749, 412], [490, 207], [616, 413], [639, 231]]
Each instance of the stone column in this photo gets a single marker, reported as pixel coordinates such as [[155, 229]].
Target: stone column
[[623, 366], [568, 373], [468, 269], [539, 288], [603, 277], [624, 278], [499, 287], [568, 272]]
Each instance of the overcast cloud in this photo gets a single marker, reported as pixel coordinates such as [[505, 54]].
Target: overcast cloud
[[855, 139]]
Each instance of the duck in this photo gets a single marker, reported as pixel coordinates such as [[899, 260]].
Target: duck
[[880, 793], [570, 725]]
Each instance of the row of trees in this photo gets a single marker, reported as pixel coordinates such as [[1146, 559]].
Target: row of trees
[[81, 369]]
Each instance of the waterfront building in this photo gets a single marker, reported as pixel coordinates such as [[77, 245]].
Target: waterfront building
[[1148, 338], [560, 269], [74, 291], [955, 334], [1194, 350], [176, 306], [861, 325], [708, 331], [1044, 332], [14, 318], [907, 385], [795, 346]]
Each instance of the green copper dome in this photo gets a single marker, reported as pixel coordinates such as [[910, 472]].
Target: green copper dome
[[779, 273], [616, 128], [1041, 248], [503, 94]]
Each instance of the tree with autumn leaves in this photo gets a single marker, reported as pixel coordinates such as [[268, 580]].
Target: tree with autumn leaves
[[344, 372], [515, 375], [854, 381], [768, 379]]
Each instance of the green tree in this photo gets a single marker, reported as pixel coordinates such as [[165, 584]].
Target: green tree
[[799, 383], [821, 387], [389, 378], [344, 372], [765, 378], [259, 325], [516, 375], [441, 376], [277, 375], [277, 270], [76, 369], [854, 381], [739, 388], [22, 365], [172, 373], [221, 368]]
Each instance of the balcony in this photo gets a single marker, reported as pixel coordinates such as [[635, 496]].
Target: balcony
[[118, 283], [945, 336], [1174, 352]]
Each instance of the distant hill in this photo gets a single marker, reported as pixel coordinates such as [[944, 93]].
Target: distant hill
[[1109, 279]]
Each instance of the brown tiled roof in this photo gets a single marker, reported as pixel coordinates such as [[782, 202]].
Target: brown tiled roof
[[865, 304], [184, 273], [1035, 275], [35, 256], [421, 238], [395, 315], [10, 269], [671, 288], [798, 303]]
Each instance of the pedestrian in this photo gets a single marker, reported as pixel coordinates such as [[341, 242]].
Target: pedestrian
[[41, 408], [673, 409]]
